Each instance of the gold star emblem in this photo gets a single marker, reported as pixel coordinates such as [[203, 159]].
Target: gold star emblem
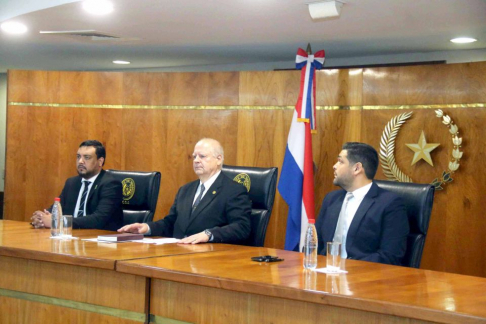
[[422, 150]]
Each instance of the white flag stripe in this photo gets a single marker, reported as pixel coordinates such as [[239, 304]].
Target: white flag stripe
[[295, 140], [303, 112]]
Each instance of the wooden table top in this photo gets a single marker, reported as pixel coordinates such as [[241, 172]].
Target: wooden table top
[[421, 294], [21, 240]]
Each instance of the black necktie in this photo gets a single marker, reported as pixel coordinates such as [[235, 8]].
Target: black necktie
[[198, 199], [83, 198]]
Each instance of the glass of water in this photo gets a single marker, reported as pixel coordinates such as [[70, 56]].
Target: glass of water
[[333, 258], [66, 227]]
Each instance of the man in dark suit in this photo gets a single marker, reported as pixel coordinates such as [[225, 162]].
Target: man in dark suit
[[370, 223], [93, 197], [213, 208]]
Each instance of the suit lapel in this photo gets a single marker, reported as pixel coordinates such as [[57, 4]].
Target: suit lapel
[[72, 200], [211, 193], [94, 186], [187, 199], [363, 208], [77, 185]]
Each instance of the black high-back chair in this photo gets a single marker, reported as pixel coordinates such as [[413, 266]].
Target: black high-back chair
[[418, 199], [140, 194], [261, 185]]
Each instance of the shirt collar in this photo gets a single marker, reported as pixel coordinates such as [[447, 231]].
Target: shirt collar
[[92, 179], [360, 193], [210, 181]]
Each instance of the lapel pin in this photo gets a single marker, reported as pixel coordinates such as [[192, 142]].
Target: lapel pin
[[96, 187], [214, 192]]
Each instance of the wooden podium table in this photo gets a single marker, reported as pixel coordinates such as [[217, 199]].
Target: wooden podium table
[[51, 281], [227, 287]]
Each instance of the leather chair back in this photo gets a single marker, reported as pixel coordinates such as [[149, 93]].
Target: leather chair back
[[418, 199], [261, 185], [140, 194]]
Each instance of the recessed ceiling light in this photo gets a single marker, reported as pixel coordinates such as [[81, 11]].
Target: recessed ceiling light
[[463, 40], [121, 62], [13, 27], [98, 7]]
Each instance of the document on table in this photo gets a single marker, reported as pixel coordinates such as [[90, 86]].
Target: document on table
[[159, 241], [330, 271]]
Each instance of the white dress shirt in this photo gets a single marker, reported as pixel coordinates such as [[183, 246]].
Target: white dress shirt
[[207, 185], [78, 203], [352, 207]]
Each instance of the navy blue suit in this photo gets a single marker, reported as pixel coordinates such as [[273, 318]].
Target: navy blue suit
[[224, 210], [378, 232], [104, 204]]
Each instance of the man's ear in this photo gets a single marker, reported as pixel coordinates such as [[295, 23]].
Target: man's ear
[[101, 160]]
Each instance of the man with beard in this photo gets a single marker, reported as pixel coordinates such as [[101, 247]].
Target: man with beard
[[370, 223], [93, 197], [213, 208]]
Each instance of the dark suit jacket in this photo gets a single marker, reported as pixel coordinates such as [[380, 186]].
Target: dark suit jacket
[[224, 210], [103, 209], [378, 232]]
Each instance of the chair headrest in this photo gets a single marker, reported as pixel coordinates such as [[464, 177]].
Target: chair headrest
[[138, 188], [418, 199], [260, 183]]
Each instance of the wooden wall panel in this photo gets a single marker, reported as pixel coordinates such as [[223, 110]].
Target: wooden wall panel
[[269, 88], [146, 89], [90, 87], [339, 87], [42, 140], [41, 85], [200, 88], [425, 85], [223, 88]]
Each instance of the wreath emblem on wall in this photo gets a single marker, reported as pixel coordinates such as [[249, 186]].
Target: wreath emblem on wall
[[387, 149]]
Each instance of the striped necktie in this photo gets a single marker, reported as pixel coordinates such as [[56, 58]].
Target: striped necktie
[[83, 198], [198, 199]]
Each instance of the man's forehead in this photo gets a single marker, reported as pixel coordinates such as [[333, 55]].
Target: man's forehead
[[202, 147], [343, 154], [86, 150]]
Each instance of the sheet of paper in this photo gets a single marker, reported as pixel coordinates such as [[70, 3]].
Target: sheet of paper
[[165, 240], [94, 239], [325, 270], [64, 238]]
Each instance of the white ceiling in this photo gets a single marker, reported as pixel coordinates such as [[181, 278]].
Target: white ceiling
[[158, 34]]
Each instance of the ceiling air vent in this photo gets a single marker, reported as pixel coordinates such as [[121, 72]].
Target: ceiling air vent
[[90, 35]]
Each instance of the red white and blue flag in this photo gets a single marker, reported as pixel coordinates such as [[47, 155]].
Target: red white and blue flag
[[296, 185]]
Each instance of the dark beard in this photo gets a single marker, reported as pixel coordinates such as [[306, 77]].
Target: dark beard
[[87, 175]]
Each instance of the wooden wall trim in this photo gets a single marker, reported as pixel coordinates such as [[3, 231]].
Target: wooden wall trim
[[394, 107]]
